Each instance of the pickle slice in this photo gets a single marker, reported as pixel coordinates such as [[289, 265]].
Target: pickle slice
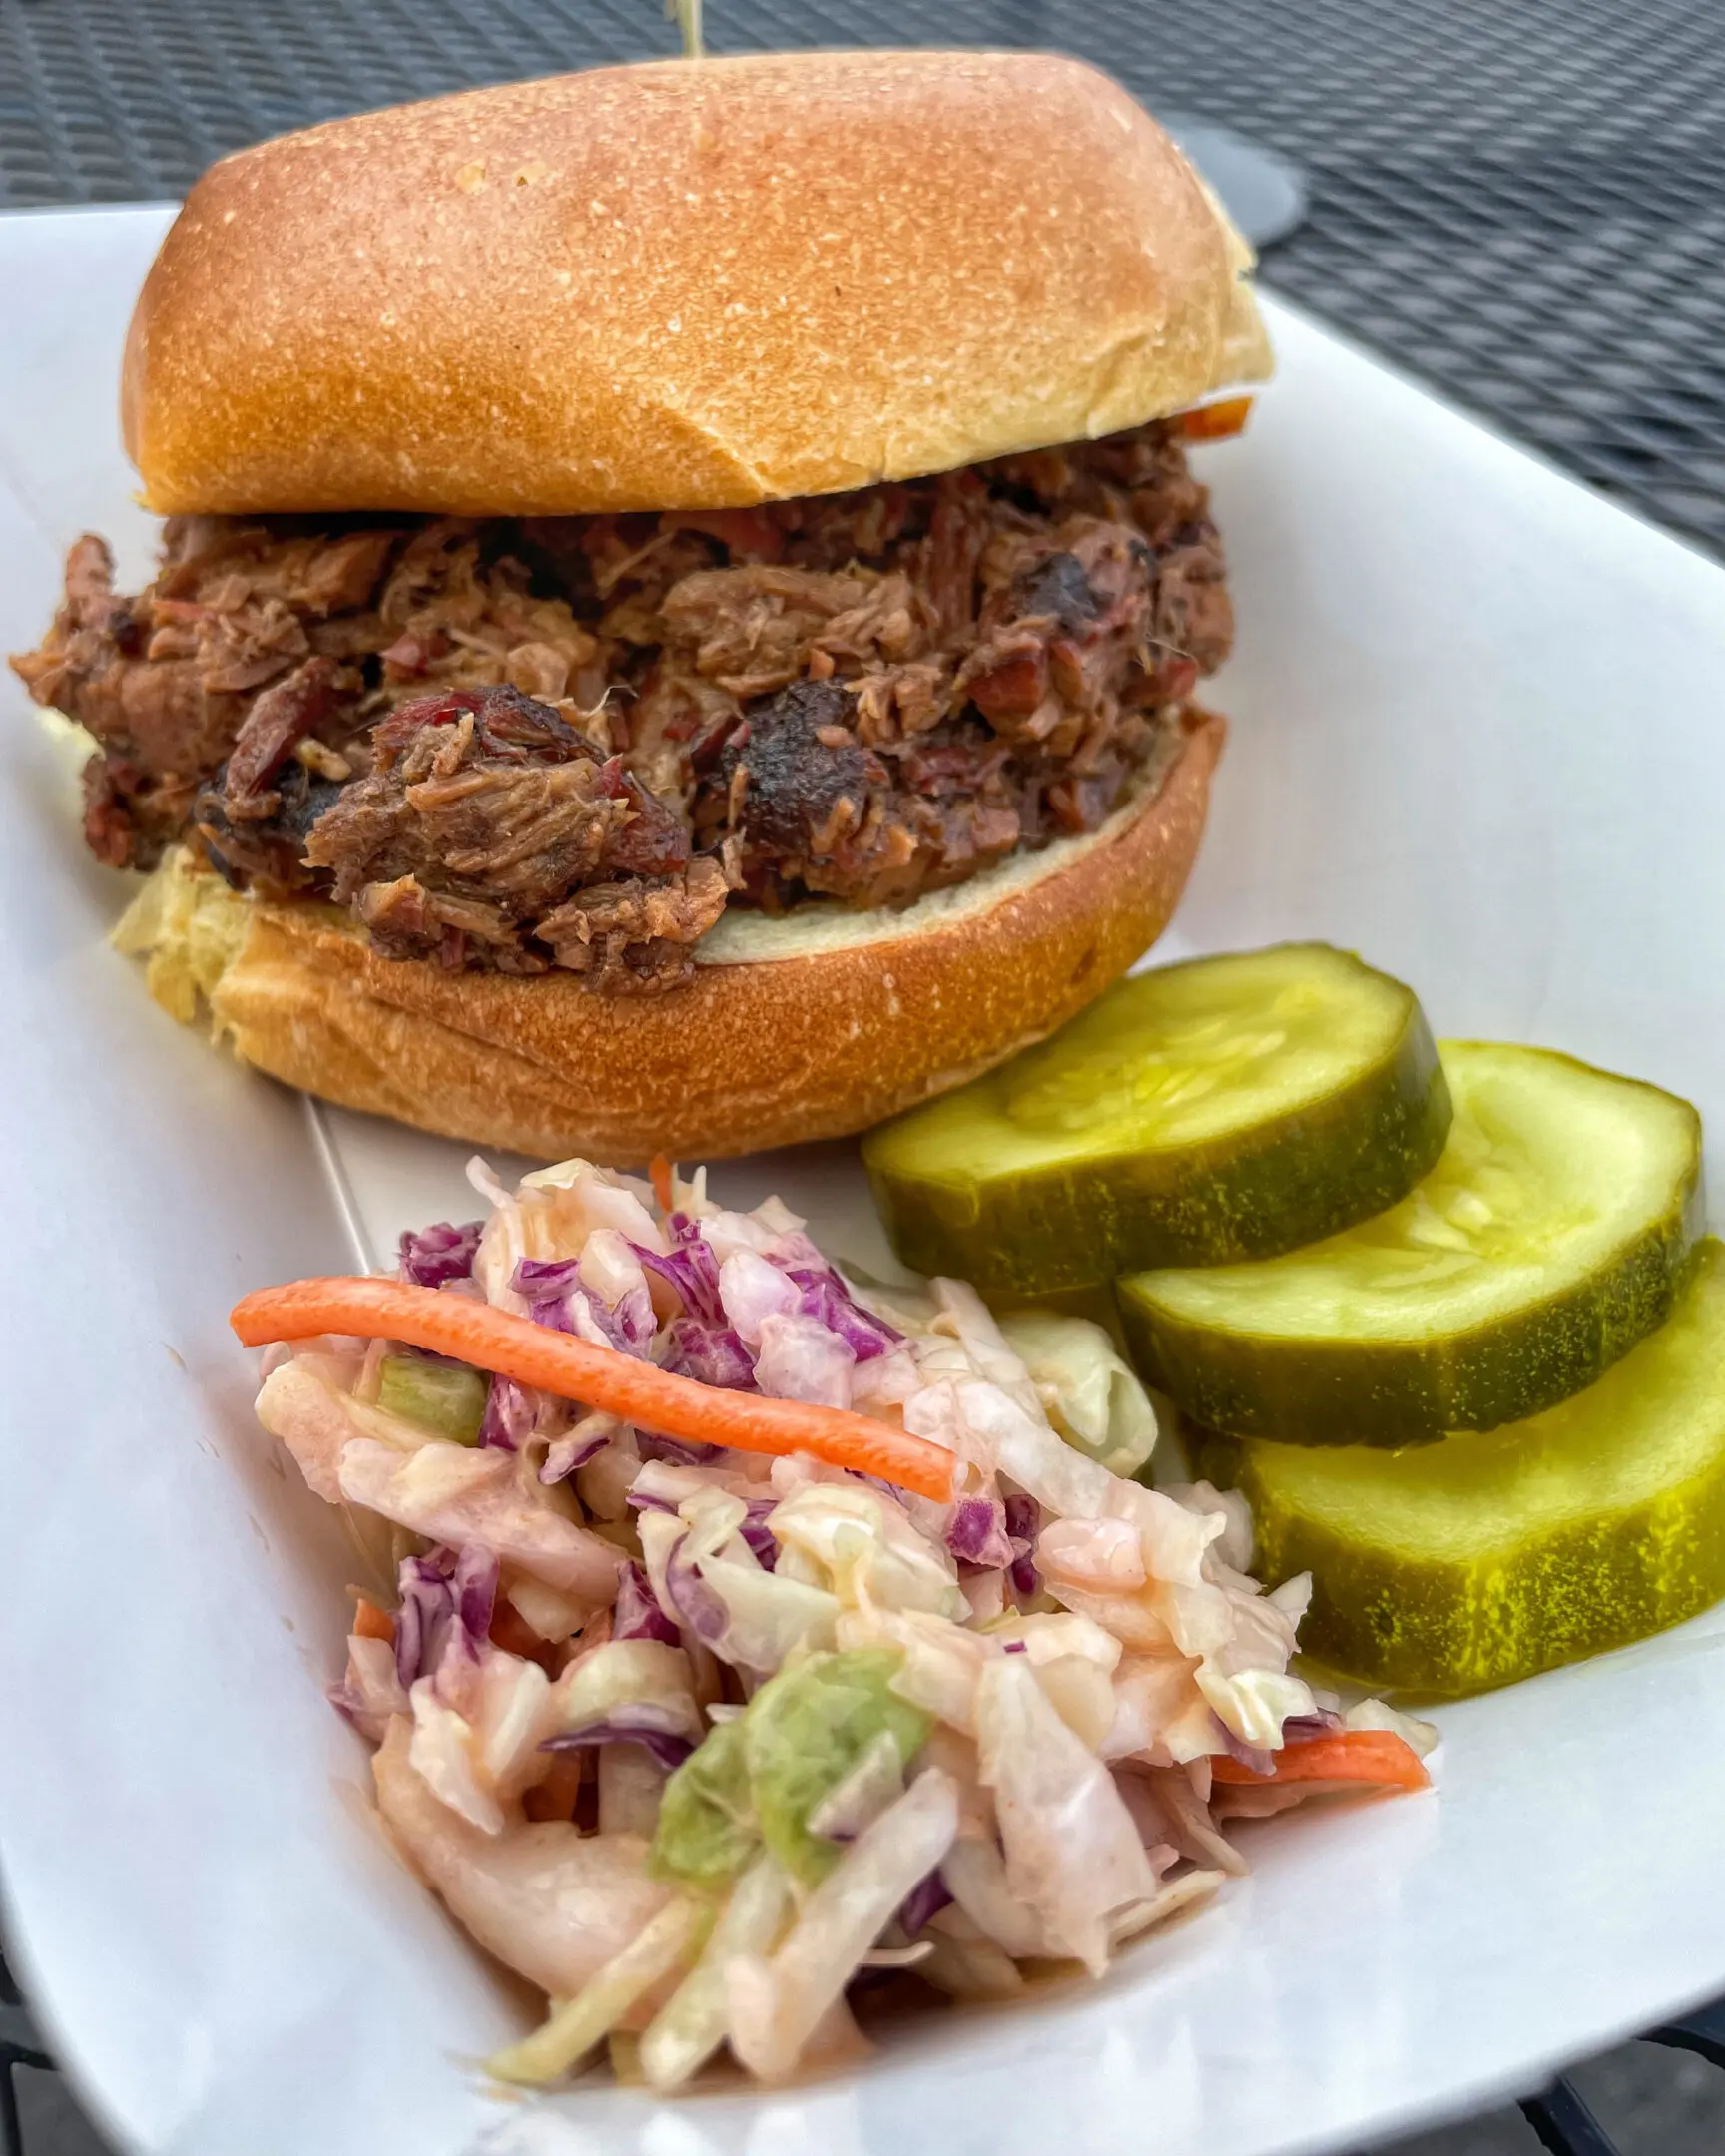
[[1547, 1241], [1500, 1554], [1221, 1109]]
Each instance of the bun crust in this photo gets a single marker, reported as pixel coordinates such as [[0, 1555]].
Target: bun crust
[[682, 284], [812, 1026]]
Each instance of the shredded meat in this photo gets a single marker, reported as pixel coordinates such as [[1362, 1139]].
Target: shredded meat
[[484, 827], [564, 741], [279, 719], [637, 932]]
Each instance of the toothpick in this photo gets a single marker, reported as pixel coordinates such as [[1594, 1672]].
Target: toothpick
[[686, 14]]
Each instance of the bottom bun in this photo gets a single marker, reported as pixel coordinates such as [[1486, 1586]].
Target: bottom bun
[[812, 1025]]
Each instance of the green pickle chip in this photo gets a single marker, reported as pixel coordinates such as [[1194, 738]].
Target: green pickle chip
[[1493, 1555], [1551, 1237], [1222, 1109]]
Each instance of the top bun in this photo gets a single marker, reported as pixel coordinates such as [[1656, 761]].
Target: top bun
[[688, 284]]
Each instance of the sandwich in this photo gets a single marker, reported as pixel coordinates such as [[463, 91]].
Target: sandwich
[[682, 597]]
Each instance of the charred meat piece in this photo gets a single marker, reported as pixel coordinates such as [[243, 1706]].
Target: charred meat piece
[[159, 726], [266, 852], [816, 814], [1057, 590], [794, 776]]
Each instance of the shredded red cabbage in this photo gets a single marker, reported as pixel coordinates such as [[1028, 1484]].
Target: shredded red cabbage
[[1023, 1525], [440, 1253], [549, 1285], [635, 1613], [447, 1600], [511, 1411], [643, 1725], [546, 1279], [759, 1536], [712, 1355], [693, 1602], [563, 1458], [674, 1452], [926, 1898], [1254, 1755], [753, 1529], [976, 1534], [1305, 1728], [691, 1269], [790, 1251], [1022, 1520], [826, 1297]]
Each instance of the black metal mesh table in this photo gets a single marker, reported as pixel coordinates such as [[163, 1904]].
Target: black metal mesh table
[[1522, 201]]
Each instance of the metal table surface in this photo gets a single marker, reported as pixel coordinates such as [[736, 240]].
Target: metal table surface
[[1521, 200]]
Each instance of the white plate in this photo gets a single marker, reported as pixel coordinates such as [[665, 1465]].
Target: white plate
[[1478, 734]]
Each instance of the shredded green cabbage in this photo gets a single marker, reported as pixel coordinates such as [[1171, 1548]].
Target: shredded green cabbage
[[756, 1781], [807, 1730], [707, 1831], [450, 1402]]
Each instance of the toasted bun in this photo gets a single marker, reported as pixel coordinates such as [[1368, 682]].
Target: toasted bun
[[810, 1026], [685, 284]]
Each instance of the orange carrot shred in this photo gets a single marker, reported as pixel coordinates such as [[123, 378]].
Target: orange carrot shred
[[371, 1622], [512, 1631], [661, 1170], [488, 1339], [1220, 421], [1373, 1758]]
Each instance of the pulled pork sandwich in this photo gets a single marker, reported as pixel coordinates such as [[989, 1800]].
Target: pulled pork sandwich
[[682, 592]]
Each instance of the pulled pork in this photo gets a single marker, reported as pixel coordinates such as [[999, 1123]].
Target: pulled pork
[[489, 830], [519, 743]]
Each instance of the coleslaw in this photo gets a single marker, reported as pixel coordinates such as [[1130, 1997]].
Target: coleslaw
[[699, 1737]]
